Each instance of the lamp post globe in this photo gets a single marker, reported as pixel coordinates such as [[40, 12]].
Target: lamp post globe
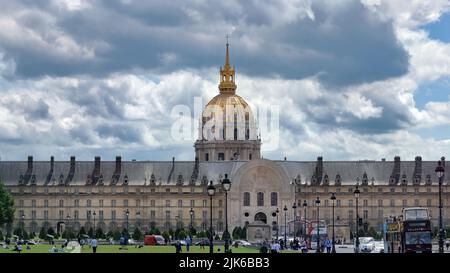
[[318, 225], [94, 219], [211, 191], [333, 198], [356, 193], [440, 172], [128, 214], [226, 185]]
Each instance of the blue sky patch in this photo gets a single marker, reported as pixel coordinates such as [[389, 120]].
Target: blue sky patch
[[440, 30]]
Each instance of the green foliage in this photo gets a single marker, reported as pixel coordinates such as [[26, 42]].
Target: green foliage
[[125, 233], [171, 232], [116, 234], [91, 232], [153, 231], [244, 233], [166, 235], [1, 235], [42, 234], [236, 234], [51, 231], [192, 231], [6, 207], [181, 235], [137, 234], [217, 237], [82, 232], [201, 234], [99, 234]]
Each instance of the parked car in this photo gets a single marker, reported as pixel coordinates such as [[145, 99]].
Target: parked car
[[183, 242], [366, 244], [242, 243], [131, 242], [378, 247]]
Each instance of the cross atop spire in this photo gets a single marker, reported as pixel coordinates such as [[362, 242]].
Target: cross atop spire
[[227, 84]]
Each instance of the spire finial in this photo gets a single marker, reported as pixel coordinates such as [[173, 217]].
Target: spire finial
[[227, 84]]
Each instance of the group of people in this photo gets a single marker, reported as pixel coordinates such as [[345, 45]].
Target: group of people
[[296, 244], [178, 245]]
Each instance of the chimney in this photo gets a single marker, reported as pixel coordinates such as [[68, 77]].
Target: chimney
[[30, 162], [319, 169], [173, 160], [118, 164], [72, 161], [397, 165], [52, 162], [418, 165], [97, 165]]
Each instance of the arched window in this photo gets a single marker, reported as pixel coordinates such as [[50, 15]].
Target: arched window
[[246, 199], [260, 199], [274, 199]]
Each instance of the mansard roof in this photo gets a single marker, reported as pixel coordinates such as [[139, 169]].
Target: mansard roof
[[194, 172]]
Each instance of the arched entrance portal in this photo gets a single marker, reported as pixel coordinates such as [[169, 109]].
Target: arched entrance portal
[[260, 216]]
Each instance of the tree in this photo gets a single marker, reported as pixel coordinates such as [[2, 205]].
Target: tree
[[117, 234], [244, 233], [181, 234], [1, 235], [137, 234], [99, 233], [166, 235], [81, 232], [42, 234], [6, 208], [91, 232], [51, 231], [237, 233]]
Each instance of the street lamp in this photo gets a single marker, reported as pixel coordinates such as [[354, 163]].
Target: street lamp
[[356, 193], [305, 205], [226, 185], [23, 223], [318, 225], [68, 226], [211, 191], [138, 219], [191, 213], [333, 197], [278, 225], [294, 207], [440, 172], [94, 219], [285, 223], [128, 214]]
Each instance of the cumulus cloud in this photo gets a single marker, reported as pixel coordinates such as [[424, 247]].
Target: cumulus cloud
[[102, 77]]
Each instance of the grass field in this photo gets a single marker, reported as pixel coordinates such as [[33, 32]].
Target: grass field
[[45, 248]]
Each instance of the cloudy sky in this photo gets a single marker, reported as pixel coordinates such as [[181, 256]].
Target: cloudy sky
[[365, 79]]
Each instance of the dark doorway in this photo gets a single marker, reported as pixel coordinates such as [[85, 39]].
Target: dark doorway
[[261, 217]]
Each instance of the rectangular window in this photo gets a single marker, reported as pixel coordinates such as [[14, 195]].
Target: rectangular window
[[380, 202], [113, 215], [113, 203], [246, 199], [220, 214], [152, 203], [204, 215], [100, 203], [404, 190], [220, 203], [61, 203], [100, 215], [167, 203], [392, 203], [350, 203], [180, 203], [350, 215], [125, 203], [138, 203], [33, 203], [46, 214], [88, 203], [416, 202], [206, 157], [338, 203], [192, 203], [33, 215], [88, 215], [260, 199], [429, 203], [152, 215], [205, 203], [405, 203], [366, 203], [366, 214], [167, 215], [221, 157], [75, 215], [61, 215], [46, 203], [77, 203], [380, 189]]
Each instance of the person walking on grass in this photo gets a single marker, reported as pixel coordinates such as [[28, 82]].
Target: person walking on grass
[[94, 245]]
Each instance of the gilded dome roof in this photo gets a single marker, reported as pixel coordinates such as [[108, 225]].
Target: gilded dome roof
[[222, 100]]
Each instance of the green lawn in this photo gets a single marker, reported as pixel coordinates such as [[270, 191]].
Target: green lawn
[[45, 248]]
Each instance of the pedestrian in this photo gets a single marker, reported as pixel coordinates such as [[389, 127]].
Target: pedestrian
[[447, 244], [328, 245], [188, 243], [178, 247], [94, 245]]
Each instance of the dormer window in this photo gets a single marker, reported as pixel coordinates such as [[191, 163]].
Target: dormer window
[[326, 180], [337, 180], [125, 180], [33, 180]]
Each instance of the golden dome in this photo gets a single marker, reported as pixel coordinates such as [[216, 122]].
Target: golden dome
[[222, 100]]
